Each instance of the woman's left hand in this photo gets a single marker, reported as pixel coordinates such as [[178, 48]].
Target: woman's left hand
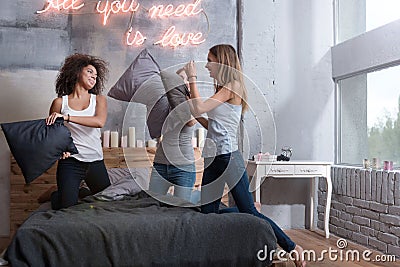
[[52, 118]]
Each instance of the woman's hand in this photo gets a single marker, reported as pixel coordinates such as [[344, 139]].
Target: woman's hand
[[181, 72], [191, 122], [65, 155], [190, 69], [52, 118]]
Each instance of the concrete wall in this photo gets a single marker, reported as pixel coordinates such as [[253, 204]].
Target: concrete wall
[[286, 52], [351, 19]]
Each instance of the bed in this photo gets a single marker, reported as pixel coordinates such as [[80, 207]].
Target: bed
[[139, 230]]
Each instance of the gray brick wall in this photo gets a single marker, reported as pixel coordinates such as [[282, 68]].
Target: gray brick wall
[[365, 207]]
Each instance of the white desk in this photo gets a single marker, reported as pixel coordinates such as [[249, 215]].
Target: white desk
[[294, 169]]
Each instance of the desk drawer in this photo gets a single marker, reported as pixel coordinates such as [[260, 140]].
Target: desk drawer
[[279, 170], [310, 170]]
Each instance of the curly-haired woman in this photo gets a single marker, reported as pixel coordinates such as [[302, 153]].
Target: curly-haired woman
[[79, 84]]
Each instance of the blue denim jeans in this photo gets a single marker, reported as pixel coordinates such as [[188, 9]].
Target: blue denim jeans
[[70, 173], [181, 177], [229, 168]]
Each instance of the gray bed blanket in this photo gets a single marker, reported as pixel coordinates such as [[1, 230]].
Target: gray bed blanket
[[139, 231]]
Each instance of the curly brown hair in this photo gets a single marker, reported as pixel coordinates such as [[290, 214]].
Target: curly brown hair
[[69, 73]]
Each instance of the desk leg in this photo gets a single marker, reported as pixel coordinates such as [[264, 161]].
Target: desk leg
[[258, 188], [312, 201], [328, 202]]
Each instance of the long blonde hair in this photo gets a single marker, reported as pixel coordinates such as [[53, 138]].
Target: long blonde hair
[[229, 70]]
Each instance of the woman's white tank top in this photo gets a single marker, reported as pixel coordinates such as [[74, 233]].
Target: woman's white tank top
[[86, 139], [223, 127]]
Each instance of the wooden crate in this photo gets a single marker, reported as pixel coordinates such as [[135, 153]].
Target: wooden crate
[[23, 197], [131, 157]]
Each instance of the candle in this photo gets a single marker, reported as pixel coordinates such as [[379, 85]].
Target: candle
[[114, 139], [139, 143], [124, 141], [201, 137], [388, 165], [194, 141], [375, 163], [132, 137], [106, 139]]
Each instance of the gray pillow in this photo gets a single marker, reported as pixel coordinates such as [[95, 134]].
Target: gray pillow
[[124, 181], [143, 83], [142, 68], [150, 91]]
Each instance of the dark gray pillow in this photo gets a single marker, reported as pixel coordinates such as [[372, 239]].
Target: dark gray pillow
[[177, 94], [37, 146], [175, 87], [156, 116], [171, 95]]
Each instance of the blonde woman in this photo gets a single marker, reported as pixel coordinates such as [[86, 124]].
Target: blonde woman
[[222, 159]]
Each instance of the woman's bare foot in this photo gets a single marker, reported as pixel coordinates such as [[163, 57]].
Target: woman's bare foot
[[299, 262], [258, 206]]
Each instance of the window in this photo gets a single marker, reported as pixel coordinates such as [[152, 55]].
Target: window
[[355, 17], [370, 116], [365, 69]]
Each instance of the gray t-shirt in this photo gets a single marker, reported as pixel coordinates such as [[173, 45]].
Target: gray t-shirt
[[176, 145]]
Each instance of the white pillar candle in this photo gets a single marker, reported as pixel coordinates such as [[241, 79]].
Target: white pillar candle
[[201, 135], [194, 141], [139, 143], [114, 139], [132, 137], [151, 143], [106, 139], [124, 141]]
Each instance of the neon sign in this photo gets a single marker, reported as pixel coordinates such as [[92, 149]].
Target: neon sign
[[162, 11], [58, 5], [115, 7], [170, 38], [138, 39]]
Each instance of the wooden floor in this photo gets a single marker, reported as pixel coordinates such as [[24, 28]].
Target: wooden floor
[[311, 241], [4, 241], [317, 242]]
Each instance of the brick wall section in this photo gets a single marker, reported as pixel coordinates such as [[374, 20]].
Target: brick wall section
[[365, 207]]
